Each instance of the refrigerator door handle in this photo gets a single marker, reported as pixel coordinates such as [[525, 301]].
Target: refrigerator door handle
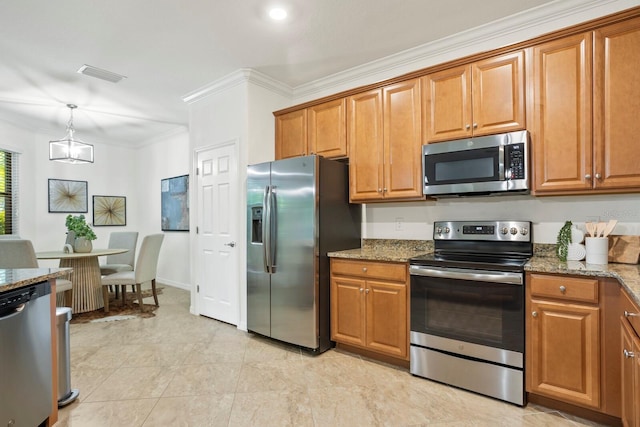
[[273, 232], [265, 229]]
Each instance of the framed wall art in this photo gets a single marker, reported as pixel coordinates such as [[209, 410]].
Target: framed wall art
[[175, 203], [67, 196], [109, 210]]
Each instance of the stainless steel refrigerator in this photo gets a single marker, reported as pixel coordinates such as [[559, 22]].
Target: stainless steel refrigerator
[[297, 210]]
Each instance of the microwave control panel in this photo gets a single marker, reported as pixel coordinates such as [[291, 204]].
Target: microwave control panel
[[516, 160]]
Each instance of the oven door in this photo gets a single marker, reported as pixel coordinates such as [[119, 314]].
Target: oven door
[[475, 313]]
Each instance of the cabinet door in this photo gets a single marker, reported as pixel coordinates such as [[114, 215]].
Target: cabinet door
[[564, 361], [347, 310], [387, 326], [447, 104], [291, 134], [365, 138], [561, 128], [327, 129], [402, 140], [616, 105], [630, 376], [498, 94]]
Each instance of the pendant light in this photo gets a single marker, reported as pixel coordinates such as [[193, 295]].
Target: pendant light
[[68, 149]]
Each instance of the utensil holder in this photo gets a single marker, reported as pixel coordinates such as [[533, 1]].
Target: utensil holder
[[597, 250]]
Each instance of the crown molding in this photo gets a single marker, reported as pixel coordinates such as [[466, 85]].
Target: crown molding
[[243, 75], [509, 30]]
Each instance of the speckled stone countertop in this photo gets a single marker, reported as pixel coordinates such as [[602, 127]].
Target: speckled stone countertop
[[14, 278], [543, 261], [386, 250]]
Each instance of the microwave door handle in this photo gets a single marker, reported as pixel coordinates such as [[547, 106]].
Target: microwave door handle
[[501, 163]]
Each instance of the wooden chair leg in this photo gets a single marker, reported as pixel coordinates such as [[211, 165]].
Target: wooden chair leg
[[139, 291], [68, 298], [124, 295], [105, 296], [155, 294]]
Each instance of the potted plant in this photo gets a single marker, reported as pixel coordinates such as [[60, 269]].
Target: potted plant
[[82, 232]]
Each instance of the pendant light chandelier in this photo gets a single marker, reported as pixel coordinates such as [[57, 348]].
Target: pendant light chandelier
[[68, 149]]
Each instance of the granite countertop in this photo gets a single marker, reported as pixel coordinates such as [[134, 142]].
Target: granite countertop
[[543, 261], [14, 278], [386, 250]]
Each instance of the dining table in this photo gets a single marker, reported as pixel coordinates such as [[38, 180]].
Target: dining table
[[85, 277]]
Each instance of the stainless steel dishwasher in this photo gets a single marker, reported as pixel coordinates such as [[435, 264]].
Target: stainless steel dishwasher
[[26, 394]]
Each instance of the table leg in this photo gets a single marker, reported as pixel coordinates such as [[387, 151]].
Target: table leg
[[87, 288]]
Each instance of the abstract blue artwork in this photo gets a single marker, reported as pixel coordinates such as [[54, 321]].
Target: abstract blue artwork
[[175, 203]]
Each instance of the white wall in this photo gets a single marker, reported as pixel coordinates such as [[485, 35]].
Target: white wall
[[117, 171], [162, 158], [414, 220]]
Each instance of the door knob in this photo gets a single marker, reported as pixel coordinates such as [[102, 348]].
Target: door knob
[[232, 244]]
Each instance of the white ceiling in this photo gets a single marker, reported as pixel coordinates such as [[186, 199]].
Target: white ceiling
[[169, 48]]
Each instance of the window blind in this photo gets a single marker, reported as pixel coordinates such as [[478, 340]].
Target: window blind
[[8, 193]]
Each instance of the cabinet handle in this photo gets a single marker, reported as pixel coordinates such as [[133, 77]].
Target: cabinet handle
[[630, 314], [475, 126], [587, 176], [468, 127], [379, 190], [598, 176], [628, 354], [563, 289], [384, 189], [534, 314], [366, 291], [361, 289], [364, 269]]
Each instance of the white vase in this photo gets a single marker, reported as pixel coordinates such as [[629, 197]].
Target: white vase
[[82, 245]]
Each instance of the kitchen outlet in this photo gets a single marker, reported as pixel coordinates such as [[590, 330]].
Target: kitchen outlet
[[399, 224]]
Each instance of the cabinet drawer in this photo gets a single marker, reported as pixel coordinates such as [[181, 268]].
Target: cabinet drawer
[[564, 288], [632, 312], [396, 272]]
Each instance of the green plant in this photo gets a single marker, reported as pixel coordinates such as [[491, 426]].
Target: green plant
[[79, 226], [564, 238]]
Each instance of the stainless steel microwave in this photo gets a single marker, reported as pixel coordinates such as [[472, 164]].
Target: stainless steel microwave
[[477, 166]]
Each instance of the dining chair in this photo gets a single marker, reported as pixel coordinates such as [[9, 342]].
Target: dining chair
[[124, 261], [19, 253], [145, 271]]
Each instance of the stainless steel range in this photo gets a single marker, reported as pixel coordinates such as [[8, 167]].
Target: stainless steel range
[[467, 307]]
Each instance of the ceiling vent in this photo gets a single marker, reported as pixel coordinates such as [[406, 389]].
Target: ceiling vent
[[99, 73]]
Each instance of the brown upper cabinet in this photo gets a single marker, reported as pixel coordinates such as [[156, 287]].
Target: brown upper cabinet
[[482, 98], [319, 129], [584, 121], [385, 142]]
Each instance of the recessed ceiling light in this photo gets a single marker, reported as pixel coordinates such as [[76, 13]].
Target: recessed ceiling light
[[278, 13]]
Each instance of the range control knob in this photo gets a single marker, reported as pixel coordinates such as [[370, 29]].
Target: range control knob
[[524, 231], [504, 230], [447, 230], [513, 231], [439, 230]]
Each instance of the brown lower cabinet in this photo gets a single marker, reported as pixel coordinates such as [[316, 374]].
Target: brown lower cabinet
[[369, 306], [630, 362], [573, 344]]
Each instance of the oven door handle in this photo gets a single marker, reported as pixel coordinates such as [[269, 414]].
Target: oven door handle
[[466, 274]]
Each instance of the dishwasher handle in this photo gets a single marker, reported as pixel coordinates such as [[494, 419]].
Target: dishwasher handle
[[12, 312]]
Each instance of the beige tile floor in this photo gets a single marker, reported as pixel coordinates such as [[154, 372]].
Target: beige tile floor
[[177, 369]]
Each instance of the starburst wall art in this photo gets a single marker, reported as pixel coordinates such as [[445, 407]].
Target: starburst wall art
[[67, 196], [109, 210]]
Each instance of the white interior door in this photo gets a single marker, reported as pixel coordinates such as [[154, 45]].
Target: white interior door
[[217, 263]]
